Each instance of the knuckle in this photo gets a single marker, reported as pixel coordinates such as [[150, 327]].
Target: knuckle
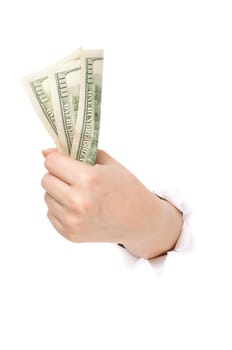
[[73, 225], [44, 180], [72, 202], [49, 161], [67, 221], [49, 216], [92, 180], [70, 222], [86, 206], [71, 236], [46, 197]]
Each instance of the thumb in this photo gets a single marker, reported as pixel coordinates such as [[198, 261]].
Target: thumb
[[47, 151], [103, 158]]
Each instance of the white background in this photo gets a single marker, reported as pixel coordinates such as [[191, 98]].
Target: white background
[[166, 115]]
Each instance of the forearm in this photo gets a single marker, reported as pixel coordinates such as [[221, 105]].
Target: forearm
[[168, 222]]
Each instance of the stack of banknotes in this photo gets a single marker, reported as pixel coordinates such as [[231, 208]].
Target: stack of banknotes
[[67, 98]]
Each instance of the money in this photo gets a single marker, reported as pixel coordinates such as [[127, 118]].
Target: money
[[67, 98], [39, 93], [87, 125], [65, 91]]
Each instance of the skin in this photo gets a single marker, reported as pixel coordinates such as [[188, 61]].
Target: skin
[[107, 203]]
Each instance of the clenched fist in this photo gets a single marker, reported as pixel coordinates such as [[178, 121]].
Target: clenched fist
[[107, 203]]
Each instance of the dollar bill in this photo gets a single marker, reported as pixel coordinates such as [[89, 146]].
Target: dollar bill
[[38, 90], [85, 140], [37, 87], [65, 91]]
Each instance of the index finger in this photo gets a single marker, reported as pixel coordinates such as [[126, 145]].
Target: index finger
[[65, 168]]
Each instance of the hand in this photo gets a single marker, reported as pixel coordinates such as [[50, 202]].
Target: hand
[[107, 203]]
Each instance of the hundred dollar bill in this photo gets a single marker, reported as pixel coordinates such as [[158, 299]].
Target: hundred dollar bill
[[85, 140], [67, 99], [65, 90], [37, 86], [38, 90]]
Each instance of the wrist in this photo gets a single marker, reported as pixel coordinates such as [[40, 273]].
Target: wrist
[[167, 222]]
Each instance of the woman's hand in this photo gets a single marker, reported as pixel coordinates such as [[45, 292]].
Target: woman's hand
[[107, 203]]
